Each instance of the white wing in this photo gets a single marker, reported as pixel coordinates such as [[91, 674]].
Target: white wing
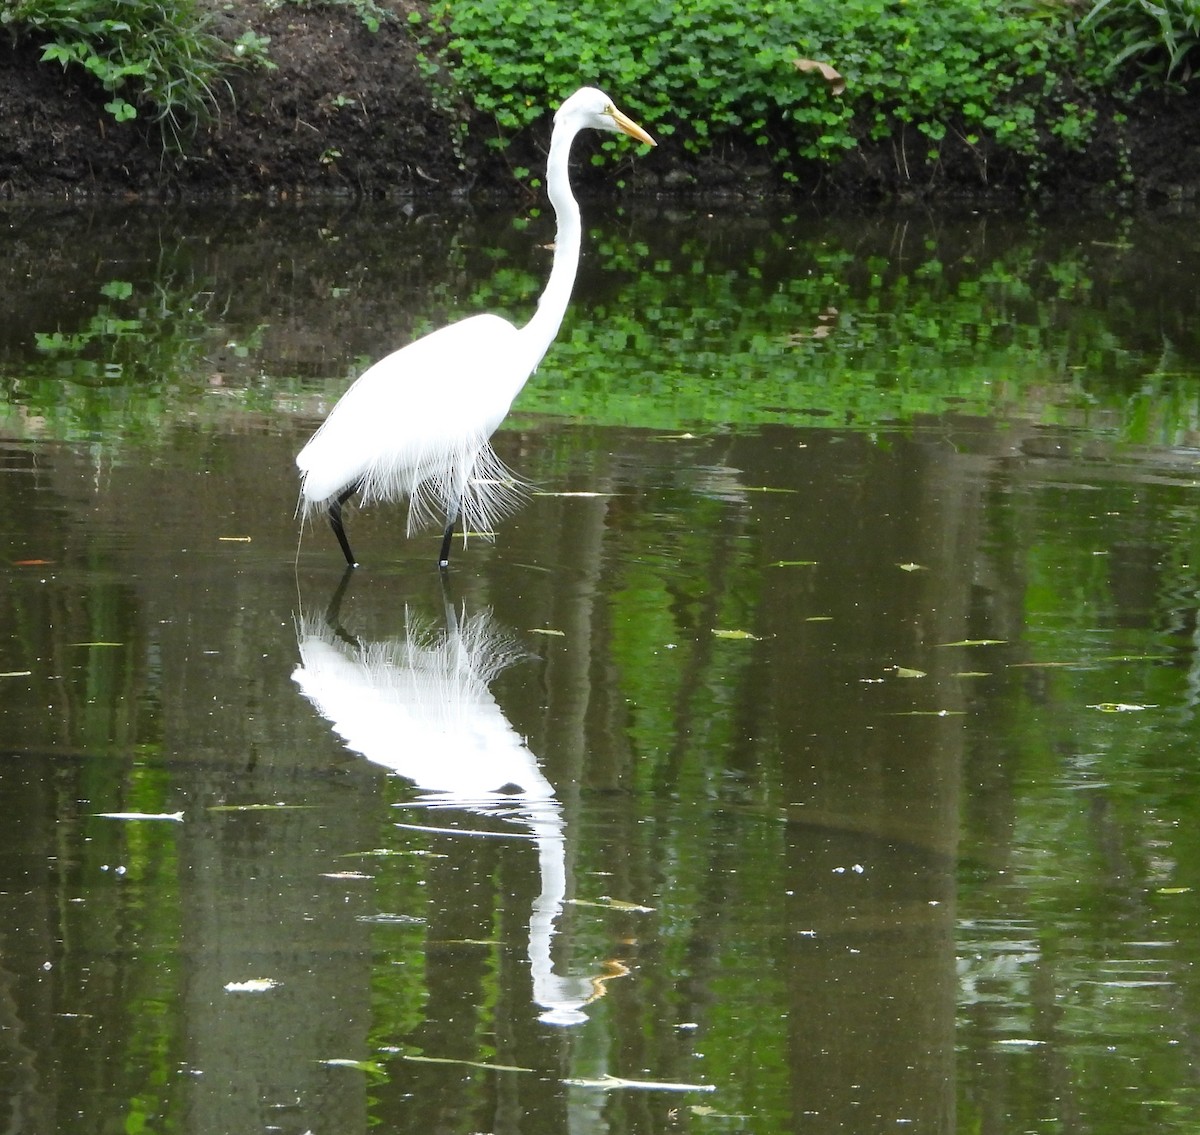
[[417, 424]]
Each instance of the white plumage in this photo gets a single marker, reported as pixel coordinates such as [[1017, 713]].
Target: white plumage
[[417, 423], [406, 444]]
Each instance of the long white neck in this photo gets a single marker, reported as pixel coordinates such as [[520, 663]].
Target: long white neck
[[539, 332]]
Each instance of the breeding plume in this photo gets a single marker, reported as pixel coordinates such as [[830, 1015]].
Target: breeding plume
[[417, 423]]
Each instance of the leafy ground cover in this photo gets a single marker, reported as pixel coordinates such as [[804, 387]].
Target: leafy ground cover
[[379, 97]]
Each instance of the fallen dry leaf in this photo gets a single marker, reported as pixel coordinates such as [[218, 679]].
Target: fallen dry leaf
[[832, 78]]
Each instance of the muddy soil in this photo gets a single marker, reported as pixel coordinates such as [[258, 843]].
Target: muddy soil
[[348, 111]]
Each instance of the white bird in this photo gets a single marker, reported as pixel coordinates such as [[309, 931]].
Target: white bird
[[416, 424]]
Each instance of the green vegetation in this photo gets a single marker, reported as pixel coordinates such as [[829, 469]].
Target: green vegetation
[[987, 82], [155, 55], [918, 74], [982, 82], [1157, 37], [861, 323], [159, 54]]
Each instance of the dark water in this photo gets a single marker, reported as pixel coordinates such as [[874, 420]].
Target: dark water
[[814, 751]]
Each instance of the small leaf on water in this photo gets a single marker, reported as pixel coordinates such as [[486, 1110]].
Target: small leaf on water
[[1041, 665], [706, 1112], [819, 619], [16, 674], [549, 631], [368, 1066], [1119, 707], [607, 903], [256, 807], [464, 1063], [386, 918], [621, 904], [975, 642], [254, 985], [385, 852], [97, 644], [31, 563], [235, 539], [609, 1083], [176, 816], [482, 833], [906, 672], [352, 875], [973, 674], [1173, 890], [740, 635], [912, 567]]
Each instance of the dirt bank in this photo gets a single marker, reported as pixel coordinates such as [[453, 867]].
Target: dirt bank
[[348, 111]]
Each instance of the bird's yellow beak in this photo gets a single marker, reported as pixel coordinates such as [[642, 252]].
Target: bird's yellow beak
[[627, 126]]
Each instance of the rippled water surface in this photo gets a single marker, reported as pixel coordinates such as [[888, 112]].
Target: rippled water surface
[[815, 750]]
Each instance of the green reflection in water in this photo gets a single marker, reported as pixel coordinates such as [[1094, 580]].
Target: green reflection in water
[[1079, 906], [680, 320]]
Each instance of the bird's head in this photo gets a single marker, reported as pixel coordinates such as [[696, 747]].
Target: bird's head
[[588, 107]]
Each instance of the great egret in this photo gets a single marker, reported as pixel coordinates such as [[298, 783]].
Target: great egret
[[416, 424]]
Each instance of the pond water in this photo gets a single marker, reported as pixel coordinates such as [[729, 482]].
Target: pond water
[[815, 750]]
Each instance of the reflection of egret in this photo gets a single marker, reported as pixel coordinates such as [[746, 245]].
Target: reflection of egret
[[417, 423], [421, 706]]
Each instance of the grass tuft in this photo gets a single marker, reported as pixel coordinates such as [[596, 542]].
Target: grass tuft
[[158, 57]]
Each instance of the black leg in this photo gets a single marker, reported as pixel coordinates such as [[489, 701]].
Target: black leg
[[335, 522], [447, 536]]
